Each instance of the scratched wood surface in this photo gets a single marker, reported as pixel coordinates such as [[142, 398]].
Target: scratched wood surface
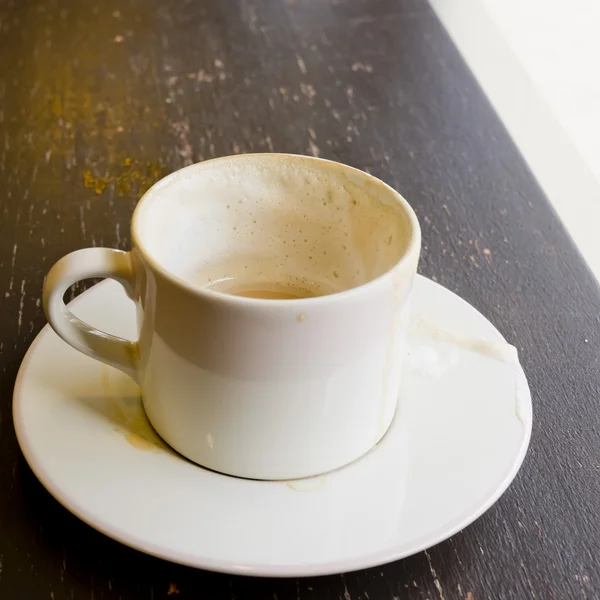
[[100, 99]]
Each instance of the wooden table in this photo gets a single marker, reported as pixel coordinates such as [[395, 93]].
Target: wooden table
[[99, 100]]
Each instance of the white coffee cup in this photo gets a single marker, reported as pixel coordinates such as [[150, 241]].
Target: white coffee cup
[[254, 387]]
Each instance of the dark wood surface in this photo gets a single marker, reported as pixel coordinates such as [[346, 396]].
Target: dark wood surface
[[100, 99]]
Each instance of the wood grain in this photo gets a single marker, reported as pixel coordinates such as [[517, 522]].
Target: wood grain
[[99, 100]]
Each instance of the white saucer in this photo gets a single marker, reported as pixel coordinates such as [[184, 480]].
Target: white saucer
[[459, 436]]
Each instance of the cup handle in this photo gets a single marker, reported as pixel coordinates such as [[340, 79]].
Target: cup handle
[[83, 264]]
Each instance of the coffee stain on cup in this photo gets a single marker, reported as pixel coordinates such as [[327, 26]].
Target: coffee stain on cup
[[400, 298], [127, 413]]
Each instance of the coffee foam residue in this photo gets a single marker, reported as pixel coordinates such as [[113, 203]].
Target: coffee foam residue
[[502, 351], [284, 216], [424, 359]]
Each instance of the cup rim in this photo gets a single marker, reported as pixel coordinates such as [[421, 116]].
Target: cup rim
[[413, 246]]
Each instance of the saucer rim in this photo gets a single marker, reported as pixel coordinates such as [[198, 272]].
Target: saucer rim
[[259, 569]]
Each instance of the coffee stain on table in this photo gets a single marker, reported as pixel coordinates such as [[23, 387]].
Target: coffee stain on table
[[131, 175]]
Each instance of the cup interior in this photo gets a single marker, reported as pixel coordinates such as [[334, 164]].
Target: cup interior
[[266, 219]]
